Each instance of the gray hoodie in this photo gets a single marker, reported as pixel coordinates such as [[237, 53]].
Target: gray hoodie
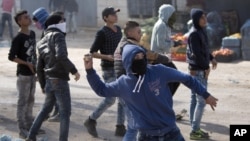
[[161, 34]]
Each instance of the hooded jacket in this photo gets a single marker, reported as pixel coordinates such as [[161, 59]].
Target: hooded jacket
[[198, 55], [148, 97], [161, 34]]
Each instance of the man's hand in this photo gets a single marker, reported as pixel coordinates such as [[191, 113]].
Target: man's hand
[[212, 101], [214, 64], [88, 61], [77, 76], [31, 67]]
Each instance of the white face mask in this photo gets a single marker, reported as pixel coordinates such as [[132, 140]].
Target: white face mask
[[60, 26]]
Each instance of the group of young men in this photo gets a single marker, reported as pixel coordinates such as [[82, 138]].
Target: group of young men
[[143, 80]]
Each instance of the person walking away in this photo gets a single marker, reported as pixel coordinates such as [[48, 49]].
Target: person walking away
[[23, 52], [161, 41], [7, 6], [54, 65], [144, 90], [106, 41], [71, 10], [198, 58], [132, 32]]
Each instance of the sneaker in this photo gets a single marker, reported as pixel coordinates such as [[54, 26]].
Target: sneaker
[[202, 132], [55, 118], [120, 130], [198, 135], [23, 133], [90, 124], [181, 114]]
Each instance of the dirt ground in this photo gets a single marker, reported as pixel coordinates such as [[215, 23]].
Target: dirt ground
[[230, 83]]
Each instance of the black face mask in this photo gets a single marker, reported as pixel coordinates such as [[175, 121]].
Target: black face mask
[[139, 66]]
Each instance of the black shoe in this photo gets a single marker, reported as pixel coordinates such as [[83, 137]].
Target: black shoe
[[29, 139], [120, 130], [23, 133], [90, 124], [181, 114], [41, 131]]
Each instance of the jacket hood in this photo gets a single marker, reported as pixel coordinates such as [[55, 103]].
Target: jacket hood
[[128, 54], [214, 18], [196, 14], [165, 12]]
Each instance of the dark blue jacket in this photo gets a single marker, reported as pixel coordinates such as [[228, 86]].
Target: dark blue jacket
[[198, 55]]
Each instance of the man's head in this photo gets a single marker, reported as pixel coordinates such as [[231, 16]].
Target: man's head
[[56, 20], [199, 18], [109, 14], [132, 29], [167, 14], [134, 59], [39, 17], [22, 18]]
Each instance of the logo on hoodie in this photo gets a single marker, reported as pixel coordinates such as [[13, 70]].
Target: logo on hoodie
[[155, 86]]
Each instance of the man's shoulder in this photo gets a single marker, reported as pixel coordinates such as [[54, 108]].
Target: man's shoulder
[[194, 33]]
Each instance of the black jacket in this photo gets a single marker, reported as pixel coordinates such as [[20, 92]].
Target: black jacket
[[198, 55], [53, 59]]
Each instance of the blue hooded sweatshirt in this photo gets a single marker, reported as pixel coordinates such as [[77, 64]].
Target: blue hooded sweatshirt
[[148, 97]]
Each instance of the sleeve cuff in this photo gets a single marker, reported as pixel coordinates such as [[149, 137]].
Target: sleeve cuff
[[73, 71], [206, 95]]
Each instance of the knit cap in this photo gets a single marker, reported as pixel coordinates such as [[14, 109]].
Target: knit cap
[[41, 15]]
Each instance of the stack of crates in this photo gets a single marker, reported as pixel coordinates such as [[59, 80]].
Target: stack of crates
[[245, 47], [232, 43]]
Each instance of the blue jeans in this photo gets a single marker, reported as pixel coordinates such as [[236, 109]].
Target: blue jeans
[[198, 103], [57, 90], [131, 133], [6, 18], [174, 135], [108, 75]]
